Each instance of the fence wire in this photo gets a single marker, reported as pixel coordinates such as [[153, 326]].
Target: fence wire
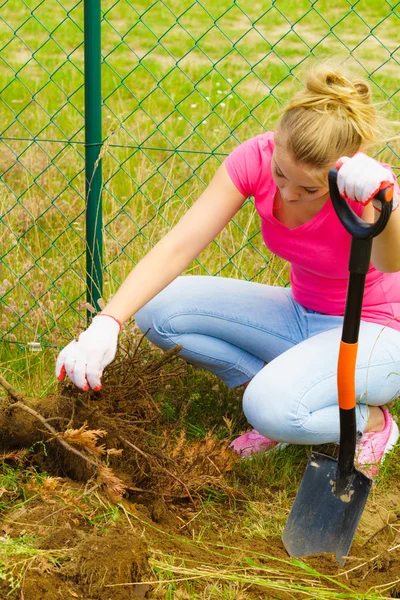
[[183, 83]]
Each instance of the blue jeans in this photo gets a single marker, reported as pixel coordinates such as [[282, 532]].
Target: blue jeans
[[243, 331]]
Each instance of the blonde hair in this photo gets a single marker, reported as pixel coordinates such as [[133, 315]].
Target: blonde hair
[[332, 117]]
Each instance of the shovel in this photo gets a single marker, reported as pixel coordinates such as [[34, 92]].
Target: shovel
[[332, 494]]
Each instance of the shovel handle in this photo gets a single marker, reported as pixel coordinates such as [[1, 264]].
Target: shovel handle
[[358, 228], [359, 262]]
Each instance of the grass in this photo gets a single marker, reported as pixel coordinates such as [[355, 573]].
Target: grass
[[183, 84], [271, 575], [18, 555], [30, 372]]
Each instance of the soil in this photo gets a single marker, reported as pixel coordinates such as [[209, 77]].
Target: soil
[[112, 563], [88, 548]]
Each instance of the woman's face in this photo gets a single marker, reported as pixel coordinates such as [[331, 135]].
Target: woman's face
[[295, 184]]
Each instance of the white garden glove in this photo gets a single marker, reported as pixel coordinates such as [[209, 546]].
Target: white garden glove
[[361, 177], [84, 360]]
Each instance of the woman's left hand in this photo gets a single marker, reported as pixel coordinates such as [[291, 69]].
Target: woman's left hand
[[361, 177]]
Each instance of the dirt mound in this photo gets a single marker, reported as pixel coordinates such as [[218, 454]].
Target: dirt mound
[[70, 558]]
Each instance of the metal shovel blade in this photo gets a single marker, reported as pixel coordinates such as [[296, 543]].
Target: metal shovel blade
[[319, 521]]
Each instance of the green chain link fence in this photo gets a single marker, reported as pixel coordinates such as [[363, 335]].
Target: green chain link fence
[[183, 82]]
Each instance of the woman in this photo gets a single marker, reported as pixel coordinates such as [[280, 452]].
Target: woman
[[284, 342]]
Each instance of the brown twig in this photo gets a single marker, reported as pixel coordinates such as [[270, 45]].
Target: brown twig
[[156, 364], [21, 405], [146, 455], [139, 344], [12, 391]]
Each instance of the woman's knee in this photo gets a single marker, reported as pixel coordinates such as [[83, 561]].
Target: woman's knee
[[268, 407], [147, 317]]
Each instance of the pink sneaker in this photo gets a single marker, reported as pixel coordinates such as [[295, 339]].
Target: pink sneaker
[[253, 442], [372, 447]]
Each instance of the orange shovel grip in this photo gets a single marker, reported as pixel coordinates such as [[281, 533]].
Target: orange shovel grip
[[346, 375], [387, 193]]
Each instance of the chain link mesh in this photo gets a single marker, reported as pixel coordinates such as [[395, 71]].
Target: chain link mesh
[[184, 82]]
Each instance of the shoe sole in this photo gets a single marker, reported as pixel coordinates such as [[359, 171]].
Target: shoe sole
[[278, 446]]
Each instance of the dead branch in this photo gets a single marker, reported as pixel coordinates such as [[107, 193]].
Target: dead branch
[[145, 454], [12, 391], [21, 405]]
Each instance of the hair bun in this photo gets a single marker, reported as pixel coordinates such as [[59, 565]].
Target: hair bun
[[326, 85], [364, 91], [332, 116]]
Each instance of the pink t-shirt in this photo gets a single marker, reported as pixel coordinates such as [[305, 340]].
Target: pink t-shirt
[[318, 251]]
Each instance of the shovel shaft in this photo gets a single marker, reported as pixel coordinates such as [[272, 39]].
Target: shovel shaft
[[360, 256], [348, 433]]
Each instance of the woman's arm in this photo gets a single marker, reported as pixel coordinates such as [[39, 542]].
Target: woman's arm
[[85, 359], [178, 248], [386, 246]]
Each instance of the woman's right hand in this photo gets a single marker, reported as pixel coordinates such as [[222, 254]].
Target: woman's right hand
[[84, 360]]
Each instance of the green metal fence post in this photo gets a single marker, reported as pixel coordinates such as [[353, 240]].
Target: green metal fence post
[[93, 143]]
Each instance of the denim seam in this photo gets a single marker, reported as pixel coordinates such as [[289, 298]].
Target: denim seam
[[222, 318], [229, 366]]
